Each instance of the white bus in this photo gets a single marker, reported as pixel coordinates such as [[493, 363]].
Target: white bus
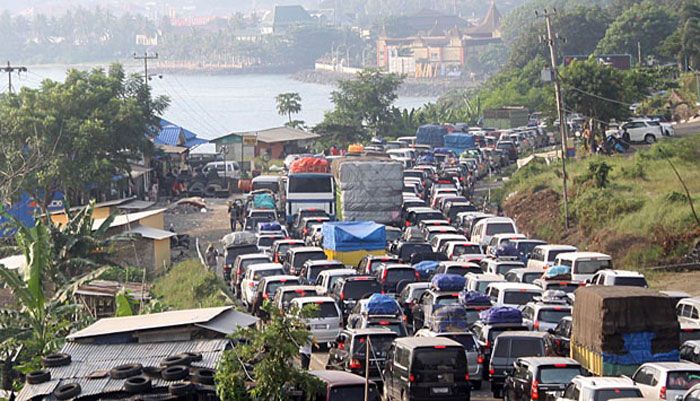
[[309, 191]]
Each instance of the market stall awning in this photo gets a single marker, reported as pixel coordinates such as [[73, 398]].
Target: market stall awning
[[174, 135]]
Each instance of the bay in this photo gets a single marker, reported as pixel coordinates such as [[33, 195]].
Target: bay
[[215, 105]]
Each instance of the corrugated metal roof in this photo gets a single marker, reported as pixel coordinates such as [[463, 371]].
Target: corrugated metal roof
[[274, 135], [175, 135], [115, 325], [129, 218], [86, 359], [151, 233]]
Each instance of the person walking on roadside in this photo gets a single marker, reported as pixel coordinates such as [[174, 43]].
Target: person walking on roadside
[[305, 353], [233, 216], [211, 257]]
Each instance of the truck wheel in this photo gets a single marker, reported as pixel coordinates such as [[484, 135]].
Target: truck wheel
[[649, 139]]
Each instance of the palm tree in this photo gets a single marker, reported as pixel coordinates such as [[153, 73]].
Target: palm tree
[[288, 104]]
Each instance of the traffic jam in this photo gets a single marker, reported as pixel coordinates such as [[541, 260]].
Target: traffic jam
[[427, 295]]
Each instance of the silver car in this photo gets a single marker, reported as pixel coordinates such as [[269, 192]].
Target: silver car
[[328, 320]]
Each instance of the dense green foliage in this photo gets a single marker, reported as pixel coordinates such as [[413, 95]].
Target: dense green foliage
[[188, 285]]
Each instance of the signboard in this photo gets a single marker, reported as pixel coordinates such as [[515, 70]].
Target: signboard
[[250, 140]]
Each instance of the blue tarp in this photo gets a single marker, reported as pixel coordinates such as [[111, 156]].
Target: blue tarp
[[448, 282], [458, 142], [471, 298], [638, 351], [380, 304], [269, 226], [449, 318], [346, 236], [426, 268], [431, 135], [501, 314], [556, 271], [263, 201]]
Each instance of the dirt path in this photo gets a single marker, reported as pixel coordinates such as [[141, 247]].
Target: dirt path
[[207, 226]]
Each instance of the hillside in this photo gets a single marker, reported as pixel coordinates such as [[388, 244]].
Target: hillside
[[637, 211]]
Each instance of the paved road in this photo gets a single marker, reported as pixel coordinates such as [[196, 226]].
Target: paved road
[[319, 359]]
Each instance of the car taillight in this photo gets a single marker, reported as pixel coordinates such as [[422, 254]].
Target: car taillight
[[384, 274], [492, 371], [480, 359], [488, 344], [466, 377], [417, 276], [341, 345], [355, 364], [383, 323], [535, 390], [408, 223], [265, 296], [536, 325], [440, 347], [662, 393], [342, 296], [411, 378]]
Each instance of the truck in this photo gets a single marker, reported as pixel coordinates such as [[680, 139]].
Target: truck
[[618, 328]]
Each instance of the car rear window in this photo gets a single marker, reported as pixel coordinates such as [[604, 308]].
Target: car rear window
[[376, 262], [467, 341], [499, 228], [495, 332], [591, 266], [521, 347], [459, 250], [505, 268], [272, 287], [566, 287], [352, 392], [289, 295], [518, 298], [449, 299], [325, 310], [357, 289], [267, 241], [553, 254], [682, 380], [558, 375], [631, 281], [409, 249], [379, 343], [461, 270], [267, 273], [314, 271], [439, 359], [248, 262], [614, 393], [396, 327], [553, 315], [429, 216], [302, 257], [396, 275], [529, 278]]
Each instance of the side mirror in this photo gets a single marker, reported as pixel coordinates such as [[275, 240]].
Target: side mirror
[[550, 331]]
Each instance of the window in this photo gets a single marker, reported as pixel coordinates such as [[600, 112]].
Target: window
[[519, 298], [553, 375], [611, 394], [591, 266], [526, 347], [493, 294], [352, 392], [553, 315], [693, 313], [442, 360], [402, 356], [326, 310], [643, 376], [682, 380], [310, 183], [500, 228]]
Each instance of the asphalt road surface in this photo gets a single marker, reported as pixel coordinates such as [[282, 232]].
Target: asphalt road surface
[[319, 359]]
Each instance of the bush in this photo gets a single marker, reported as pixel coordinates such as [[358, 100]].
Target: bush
[[188, 285], [596, 207]]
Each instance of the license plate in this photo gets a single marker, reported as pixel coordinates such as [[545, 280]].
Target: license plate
[[320, 326], [440, 390]]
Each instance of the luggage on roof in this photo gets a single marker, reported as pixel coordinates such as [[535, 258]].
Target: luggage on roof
[[263, 201], [380, 304], [449, 318], [448, 282], [310, 165], [270, 226], [501, 315], [239, 238], [474, 298], [558, 273], [426, 268]]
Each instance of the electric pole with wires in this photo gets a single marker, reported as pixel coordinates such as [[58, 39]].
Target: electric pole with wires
[[551, 41], [9, 69], [145, 59]]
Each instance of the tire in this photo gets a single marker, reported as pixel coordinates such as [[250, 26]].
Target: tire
[[38, 377], [194, 356], [175, 360], [180, 389], [649, 139], [174, 373], [203, 376], [55, 360], [67, 391], [126, 371], [137, 384]]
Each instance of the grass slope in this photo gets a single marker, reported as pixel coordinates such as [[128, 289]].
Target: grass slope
[[188, 285]]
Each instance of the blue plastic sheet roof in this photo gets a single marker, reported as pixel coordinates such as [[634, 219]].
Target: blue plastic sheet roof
[[175, 135], [345, 236]]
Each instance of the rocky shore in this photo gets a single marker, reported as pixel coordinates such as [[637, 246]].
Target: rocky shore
[[410, 87]]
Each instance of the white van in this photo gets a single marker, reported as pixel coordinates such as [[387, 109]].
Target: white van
[[584, 264], [228, 169], [271, 182], [543, 256], [488, 227], [327, 322], [512, 294]]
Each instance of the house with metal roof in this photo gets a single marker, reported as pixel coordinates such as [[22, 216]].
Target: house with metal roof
[[275, 142], [174, 135]]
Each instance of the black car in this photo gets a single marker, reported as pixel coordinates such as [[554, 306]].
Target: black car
[[348, 352], [426, 368], [540, 378], [404, 250], [507, 349], [390, 275], [561, 336], [348, 290]]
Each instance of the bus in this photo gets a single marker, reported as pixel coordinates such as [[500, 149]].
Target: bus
[[309, 190]]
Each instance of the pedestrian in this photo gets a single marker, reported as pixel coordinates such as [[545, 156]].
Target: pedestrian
[[233, 216], [305, 353], [211, 257]]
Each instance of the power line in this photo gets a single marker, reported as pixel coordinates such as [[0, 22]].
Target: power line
[[190, 110], [200, 122], [9, 70], [199, 105], [145, 59], [599, 97]]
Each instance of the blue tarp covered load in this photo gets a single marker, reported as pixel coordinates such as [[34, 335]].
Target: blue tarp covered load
[[501, 315], [449, 318], [269, 226], [638, 350], [472, 298], [558, 273], [426, 268], [458, 142], [346, 236], [426, 159], [264, 201], [432, 135], [380, 304], [448, 282]]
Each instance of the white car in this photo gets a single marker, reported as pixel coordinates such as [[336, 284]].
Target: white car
[[584, 264], [642, 131], [544, 317], [490, 226], [481, 282], [688, 310], [252, 277], [326, 279], [600, 388], [512, 294], [619, 277], [439, 240], [666, 380], [542, 256], [499, 240]]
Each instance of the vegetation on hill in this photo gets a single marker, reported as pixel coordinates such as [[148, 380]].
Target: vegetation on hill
[[634, 207], [188, 285]]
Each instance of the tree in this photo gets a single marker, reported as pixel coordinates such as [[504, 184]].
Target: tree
[[261, 367], [89, 127], [288, 104], [362, 106], [594, 89], [647, 24]]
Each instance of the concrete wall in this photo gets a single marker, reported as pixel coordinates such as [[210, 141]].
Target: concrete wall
[[155, 221]]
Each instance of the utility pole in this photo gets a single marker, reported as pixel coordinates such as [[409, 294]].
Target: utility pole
[[551, 42], [9, 70], [639, 55], [145, 59]]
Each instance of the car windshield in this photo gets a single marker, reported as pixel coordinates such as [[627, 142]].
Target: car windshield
[[504, 268], [310, 183], [518, 297], [325, 310], [466, 249], [682, 380], [499, 228], [553, 254], [267, 241], [301, 258], [267, 273], [553, 315], [467, 341], [631, 281], [554, 375], [442, 360], [613, 393], [357, 289], [408, 249], [352, 392], [591, 266], [379, 344]]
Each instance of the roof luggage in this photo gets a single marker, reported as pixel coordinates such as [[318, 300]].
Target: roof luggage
[[448, 282], [380, 304], [501, 315], [426, 268], [310, 165], [557, 273], [474, 298], [263, 201], [449, 318], [239, 238], [269, 226]]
